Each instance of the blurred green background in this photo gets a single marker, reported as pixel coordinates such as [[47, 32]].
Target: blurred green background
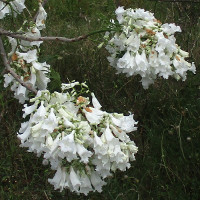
[[167, 165]]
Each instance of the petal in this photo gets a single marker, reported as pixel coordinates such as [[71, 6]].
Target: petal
[[28, 109], [95, 102], [74, 179]]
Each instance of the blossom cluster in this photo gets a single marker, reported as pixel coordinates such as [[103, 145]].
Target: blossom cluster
[[83, 143], [145, 46], [24, 60]]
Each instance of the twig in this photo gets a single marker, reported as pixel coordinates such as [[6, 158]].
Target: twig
[[179, 135], [123, 86], [49, 38], [46, 195], [22, 37], [9, 69]]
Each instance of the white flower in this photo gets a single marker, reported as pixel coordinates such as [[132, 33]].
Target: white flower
[[49, 140], [170, 28], [31, 71], [93, 115], [13, 43], [143, 46], [146, 81], [84, 149], [18, 5], [109, 136], [32, 33], [103, 165], [65, 86], [83, 153], [97, 181], [124, 61], [95, 102], [4, 9], [42, 80], [85, 186], [36, 130], [52, 147], [68, 146], [59, 178], [8, 78], [74, 180], [40, 20], [119, 12], [67, 123], [126, 123], [141, 13], [51, 122], [28, 109], [71, 108], [55, 163], [99, 146], [133, 43], [40, 114], [29, 57], [183, 53], [141, 62], [24, 131], [21, 94]]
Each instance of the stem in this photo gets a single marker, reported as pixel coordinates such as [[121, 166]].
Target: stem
[[100, 31], [180, 141], [4, 6], [51, 38]]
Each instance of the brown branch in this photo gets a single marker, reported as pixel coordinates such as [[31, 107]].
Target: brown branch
[[51, 38], [9, 69]]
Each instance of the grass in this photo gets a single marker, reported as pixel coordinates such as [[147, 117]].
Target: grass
[[168, 162]]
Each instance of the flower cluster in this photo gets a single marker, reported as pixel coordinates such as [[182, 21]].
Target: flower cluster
[[24, 60], [13, 7], [145, 46], [80, 141]]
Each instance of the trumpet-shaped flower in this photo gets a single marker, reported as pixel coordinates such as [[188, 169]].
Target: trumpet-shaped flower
[[146, 47], [83, 144], [17, 6], [40, 20]]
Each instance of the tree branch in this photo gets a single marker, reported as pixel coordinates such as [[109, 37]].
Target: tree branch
[[9, 69], [48, 38]]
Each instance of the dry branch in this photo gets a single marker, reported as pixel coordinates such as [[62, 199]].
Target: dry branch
[[48, 38], [51, 38]]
